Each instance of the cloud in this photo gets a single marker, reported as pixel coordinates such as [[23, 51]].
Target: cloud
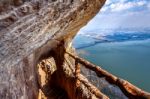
[[148, 5], [121, 6], [108, 2], [141, 3], [124, 5], [121, 14], [104, 9]]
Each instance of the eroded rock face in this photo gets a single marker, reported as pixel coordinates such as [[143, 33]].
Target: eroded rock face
[[29, 30]]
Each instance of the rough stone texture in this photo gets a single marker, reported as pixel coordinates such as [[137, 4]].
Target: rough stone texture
[[34, 38], [29, 29]]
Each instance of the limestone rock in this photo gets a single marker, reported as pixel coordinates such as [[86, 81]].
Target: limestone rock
[[29, 29]]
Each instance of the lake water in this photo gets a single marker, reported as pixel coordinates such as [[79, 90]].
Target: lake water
[[129, 60]]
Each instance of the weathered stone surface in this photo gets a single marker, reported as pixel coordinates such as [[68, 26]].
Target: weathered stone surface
[[34, 38], [29, 29]]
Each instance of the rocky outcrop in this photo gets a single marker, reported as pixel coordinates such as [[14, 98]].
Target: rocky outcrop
[[29, 30]]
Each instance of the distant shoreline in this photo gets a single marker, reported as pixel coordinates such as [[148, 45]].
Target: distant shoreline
[[113, 39], [89, 45]]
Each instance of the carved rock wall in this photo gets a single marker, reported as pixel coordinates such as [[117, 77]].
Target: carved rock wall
[[29, 29]]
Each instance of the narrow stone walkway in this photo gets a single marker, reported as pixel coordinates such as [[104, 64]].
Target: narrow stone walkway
[[57, 93], [54, 93]]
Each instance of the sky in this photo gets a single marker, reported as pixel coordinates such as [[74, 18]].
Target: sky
[[121, 14]]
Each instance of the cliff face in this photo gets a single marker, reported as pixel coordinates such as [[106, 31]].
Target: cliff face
[[33, 30], [37, 59]]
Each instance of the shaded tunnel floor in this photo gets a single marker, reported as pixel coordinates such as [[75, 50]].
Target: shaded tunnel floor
[[56, 93]]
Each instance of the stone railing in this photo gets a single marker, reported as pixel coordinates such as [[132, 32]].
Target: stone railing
[[129, 90]]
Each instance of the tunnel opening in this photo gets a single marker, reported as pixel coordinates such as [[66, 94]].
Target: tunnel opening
[[48, 66], [47, 70]]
